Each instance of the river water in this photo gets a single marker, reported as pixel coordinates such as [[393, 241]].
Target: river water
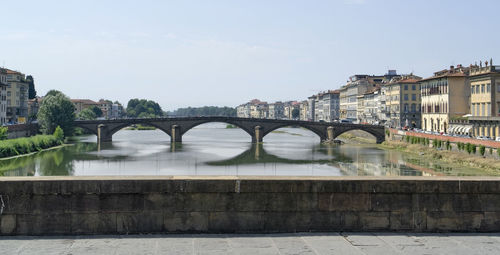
[[213, 149]]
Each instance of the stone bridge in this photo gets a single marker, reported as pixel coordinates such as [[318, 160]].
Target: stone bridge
[[256, 128]]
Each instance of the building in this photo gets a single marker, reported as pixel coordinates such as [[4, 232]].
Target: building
[[117, 111], [243, 111], [304, 109], [276, 110], [444, 96], [326, 106], [33, 106], [17, 97], [485, 99], [402, 102], [311, 102], [368, 106], [357, 86], [253, 109], [3, 96], [106, 107], [82, 104], [288, 109]]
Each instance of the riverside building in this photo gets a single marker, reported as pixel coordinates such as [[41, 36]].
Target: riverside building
[[445, 96], [403, 102]]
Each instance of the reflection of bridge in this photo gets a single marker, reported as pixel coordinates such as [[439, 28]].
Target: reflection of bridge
[[256, 128]]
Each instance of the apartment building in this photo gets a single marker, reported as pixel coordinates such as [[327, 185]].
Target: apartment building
[[304, 109], [444, 96], [402, 102], [3, 96], [82, 104], [276, 110], [17, 97], [356, 86], [485, 99]]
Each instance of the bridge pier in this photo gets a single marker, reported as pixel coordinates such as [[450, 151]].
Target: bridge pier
[[102, 134], [329, 134], [176, 136], [257, 135]]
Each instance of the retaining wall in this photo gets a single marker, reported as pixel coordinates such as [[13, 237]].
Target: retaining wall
[[114, 205], [22, 130]]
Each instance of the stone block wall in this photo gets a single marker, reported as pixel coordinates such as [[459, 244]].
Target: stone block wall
[[107, 205]]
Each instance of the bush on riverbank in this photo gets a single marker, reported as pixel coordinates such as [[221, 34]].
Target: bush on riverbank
[[25, 145]]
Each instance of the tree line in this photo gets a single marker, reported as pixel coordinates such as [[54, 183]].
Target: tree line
[[204, 111]]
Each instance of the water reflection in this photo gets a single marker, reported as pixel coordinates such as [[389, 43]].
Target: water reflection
[[220, 151]]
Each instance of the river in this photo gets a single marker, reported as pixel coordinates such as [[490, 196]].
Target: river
[[213, 149]]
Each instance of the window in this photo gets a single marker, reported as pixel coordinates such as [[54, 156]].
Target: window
[[482, 88], [8, 93], [406, 97], [406, 108], [413, 97], [488, 109], [482, 109], [472, 89], [413, 87], [488, 88], [477, 89], [406, 86], [413, 108]]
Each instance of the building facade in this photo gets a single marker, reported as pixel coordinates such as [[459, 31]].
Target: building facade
[[3, 96], [82, 104], [17, 97], [444, 96], [275, 111], [403, 102], [357, 86]]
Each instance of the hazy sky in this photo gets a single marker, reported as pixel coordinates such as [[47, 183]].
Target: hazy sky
[[195, 53]]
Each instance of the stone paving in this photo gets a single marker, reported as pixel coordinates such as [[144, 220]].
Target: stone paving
[[299, 243]]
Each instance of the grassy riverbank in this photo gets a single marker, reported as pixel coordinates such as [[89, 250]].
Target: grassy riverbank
[[27, 145], [490, 165], [140, 127]]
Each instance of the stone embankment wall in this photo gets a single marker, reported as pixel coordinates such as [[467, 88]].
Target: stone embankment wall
[[88, 205], [22, 130]]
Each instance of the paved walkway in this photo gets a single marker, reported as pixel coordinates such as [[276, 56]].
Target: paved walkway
[[300, 243]]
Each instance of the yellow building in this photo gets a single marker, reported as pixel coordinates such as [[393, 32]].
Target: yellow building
[[402, 102], [485, 98], [445, 95]]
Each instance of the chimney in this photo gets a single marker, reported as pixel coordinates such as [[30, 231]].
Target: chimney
[[452, 69]]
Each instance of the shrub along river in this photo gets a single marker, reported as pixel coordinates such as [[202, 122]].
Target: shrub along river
[[213, 149]]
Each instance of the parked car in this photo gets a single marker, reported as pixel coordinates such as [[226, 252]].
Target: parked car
[[498, 139]]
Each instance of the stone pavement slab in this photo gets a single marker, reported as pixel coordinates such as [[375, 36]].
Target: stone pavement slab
[[295, 243]]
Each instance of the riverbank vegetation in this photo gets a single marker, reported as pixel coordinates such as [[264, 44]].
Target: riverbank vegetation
[[204, 111], [26, 145], [140, 127], [442, 152]]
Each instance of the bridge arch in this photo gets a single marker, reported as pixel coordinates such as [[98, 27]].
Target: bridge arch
[[117, 128], [186, 128], [378, 134], [320, 133]]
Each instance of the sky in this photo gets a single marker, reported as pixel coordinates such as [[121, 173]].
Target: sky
[[225, 53]]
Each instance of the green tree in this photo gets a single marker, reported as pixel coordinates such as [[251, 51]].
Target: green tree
[[56, 110], [3, 133], [31, 87], [86, 114], [482, 150], [59, 133], [143, 108], [96, 110]]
